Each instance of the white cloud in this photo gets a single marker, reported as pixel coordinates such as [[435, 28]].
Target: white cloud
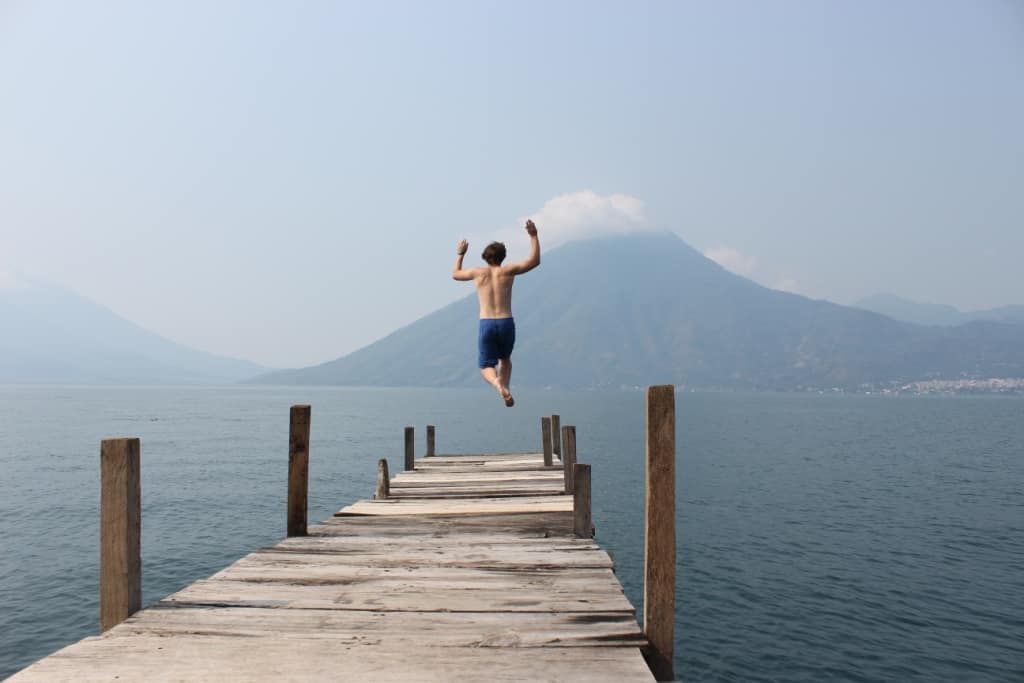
[[732, 260], [739, 263], [788, 284], [577, 215]]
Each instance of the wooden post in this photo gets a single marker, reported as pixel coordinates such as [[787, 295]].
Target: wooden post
[[410, 449], [298, 470], [383, 481], [120, 531], [568, 455], [660, 541], [556, 435], [545, 437], [582, 520], [430, 440]]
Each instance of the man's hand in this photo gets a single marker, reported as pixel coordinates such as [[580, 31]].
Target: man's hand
[[463, 247], [531, 229]]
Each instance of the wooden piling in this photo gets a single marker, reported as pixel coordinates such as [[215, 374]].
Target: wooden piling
[[383, 481], [568, 455], [410, 449], [660, 541], [545, 437], [430, 440], [582, 520], [556, 435], [120, 531], [298, 470]]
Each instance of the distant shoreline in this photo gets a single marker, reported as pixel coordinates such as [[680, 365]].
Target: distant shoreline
[[1000, 387]]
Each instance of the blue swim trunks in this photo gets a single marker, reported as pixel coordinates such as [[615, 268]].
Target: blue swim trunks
[[497, 337]]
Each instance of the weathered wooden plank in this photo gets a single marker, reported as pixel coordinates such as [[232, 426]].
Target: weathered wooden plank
[[453, 547], [320, 569], [400, 595], [480, 457], [493, 555], [459, 507], [216, 658], [473, 485], [520, 525], [477, 474], [393, 629], [429, 466], [466, 538], [412, 494]]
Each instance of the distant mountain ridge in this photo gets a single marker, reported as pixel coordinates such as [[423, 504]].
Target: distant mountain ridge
[[898, 308], [52, 335], [648, 308]]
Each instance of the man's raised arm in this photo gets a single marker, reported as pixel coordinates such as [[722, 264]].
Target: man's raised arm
[[534, 259], [457, 272]]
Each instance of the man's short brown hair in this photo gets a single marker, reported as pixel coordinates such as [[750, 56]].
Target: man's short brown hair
[[494, 254]]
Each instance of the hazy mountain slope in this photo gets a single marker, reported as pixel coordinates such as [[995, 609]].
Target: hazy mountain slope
[[51, 334], [641, 309], [898, 308]]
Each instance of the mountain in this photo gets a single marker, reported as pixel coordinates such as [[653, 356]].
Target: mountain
[[909, 311], [648, 308], [52, 335]]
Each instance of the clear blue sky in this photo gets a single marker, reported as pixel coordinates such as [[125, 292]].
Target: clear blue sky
[[285, 182]]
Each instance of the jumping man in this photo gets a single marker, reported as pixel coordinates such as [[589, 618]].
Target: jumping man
[[494, 288]]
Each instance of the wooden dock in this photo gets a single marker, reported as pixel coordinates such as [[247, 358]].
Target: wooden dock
[[465, 567]]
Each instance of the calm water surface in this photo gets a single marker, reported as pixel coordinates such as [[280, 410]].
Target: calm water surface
[[842, 538]]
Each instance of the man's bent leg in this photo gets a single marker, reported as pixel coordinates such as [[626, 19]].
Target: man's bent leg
[[490, 376], [504, 376], [505, 372]]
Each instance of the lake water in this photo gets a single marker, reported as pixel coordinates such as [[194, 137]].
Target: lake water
[[842, 538]]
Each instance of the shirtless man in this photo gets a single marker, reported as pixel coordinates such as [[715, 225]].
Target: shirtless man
[[494, 288]]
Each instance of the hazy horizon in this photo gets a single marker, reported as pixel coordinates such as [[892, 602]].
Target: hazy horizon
[[286, 184]]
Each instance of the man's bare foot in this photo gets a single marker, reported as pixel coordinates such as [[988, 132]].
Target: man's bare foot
[[507, 395]]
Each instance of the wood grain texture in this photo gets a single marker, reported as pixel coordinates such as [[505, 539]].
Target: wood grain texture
[[660, 536], [383, 490], [202, 657], [396, 629], [568, 457], [410, 448], [120, 531], [545, 436], [582, 520], [298, 470], [473, 506], [556, 434]]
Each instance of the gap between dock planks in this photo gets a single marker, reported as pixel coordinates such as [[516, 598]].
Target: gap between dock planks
[[468, 571]]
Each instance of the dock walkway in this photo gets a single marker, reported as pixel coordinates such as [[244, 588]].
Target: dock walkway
[[467, 570]]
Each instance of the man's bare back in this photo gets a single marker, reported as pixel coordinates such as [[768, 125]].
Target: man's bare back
[[494, 290]]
